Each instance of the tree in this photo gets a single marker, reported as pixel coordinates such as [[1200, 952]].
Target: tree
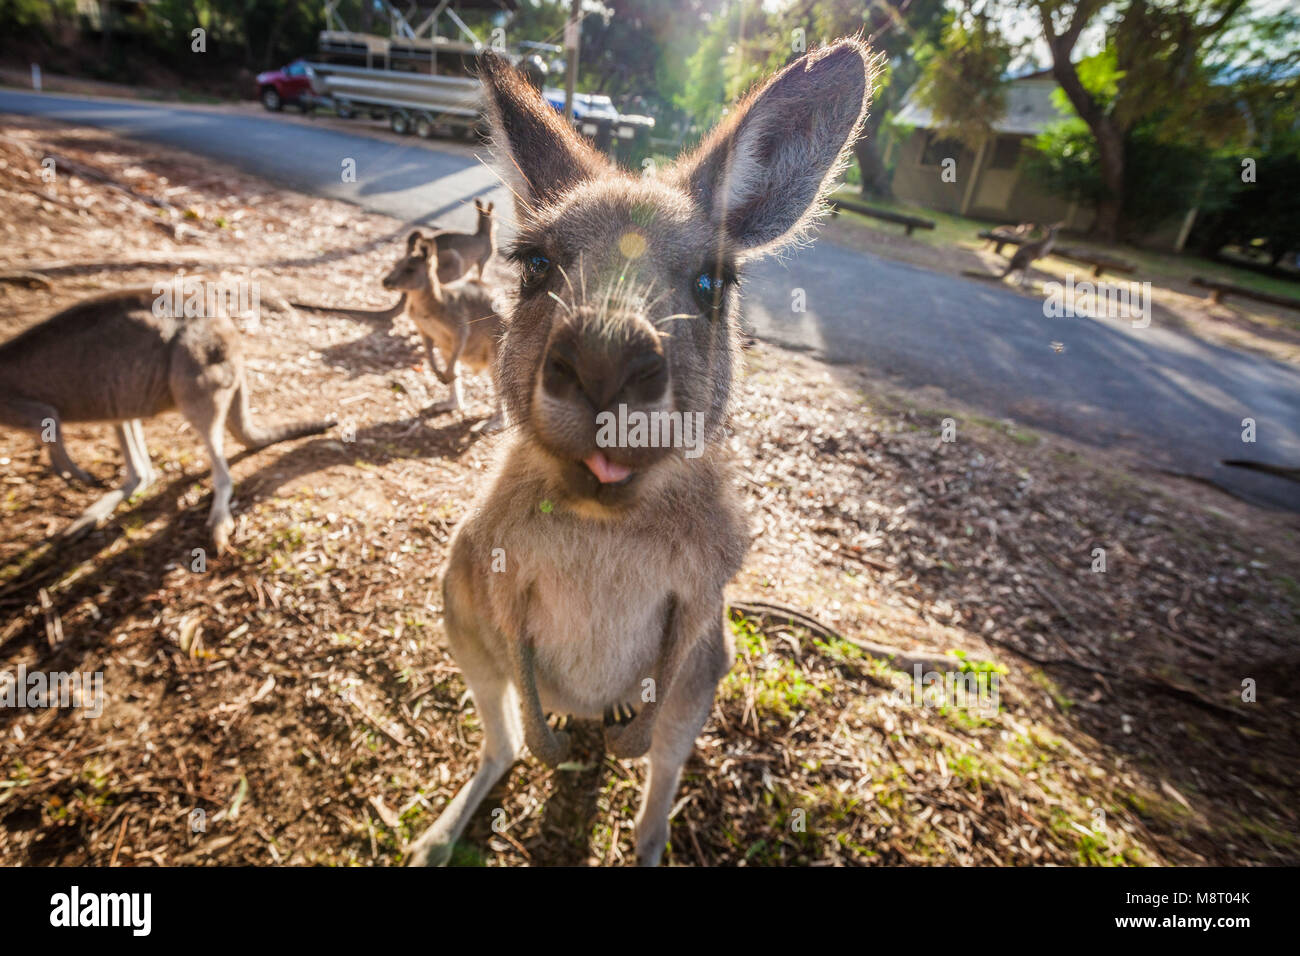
[[1158, 49], [962, 82], [639, 47], [897, 30], [1153, 67]]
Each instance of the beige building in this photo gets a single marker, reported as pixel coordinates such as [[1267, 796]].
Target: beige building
[[987, 182]]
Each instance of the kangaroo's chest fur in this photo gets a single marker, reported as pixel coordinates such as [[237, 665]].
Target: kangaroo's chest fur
[[595, 594], [597, 615]]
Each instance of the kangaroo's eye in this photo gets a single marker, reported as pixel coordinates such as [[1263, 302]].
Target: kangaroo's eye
[[708, 289], [533, 268]]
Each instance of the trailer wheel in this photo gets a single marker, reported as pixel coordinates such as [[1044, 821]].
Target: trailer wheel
[[344, 109], [399, 121], [271, 99], [423, 125]]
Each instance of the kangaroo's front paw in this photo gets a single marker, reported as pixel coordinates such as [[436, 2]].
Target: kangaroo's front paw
[[627, 733], [553, 749]]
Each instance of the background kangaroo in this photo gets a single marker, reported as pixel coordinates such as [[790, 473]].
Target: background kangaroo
[[1024, 256], [460, 319], [111, 359], [610, 600], [474, 248]]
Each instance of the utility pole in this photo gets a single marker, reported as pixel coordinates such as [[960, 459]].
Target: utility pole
[[572, 31]]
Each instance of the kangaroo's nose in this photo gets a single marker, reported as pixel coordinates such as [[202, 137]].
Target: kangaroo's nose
[[628, 370]]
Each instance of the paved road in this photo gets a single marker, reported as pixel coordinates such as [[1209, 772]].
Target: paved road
[[1176, 401]]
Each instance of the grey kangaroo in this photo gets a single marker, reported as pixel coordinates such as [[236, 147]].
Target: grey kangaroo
[[461, 319], [588, 581], [474, 248], [1024, 256], [112, 359]]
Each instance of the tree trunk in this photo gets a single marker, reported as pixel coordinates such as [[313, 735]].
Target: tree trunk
[[106, 29], [1110, 151], [1110, 137], [875, 178]]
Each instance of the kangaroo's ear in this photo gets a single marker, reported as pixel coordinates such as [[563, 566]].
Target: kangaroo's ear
[[490, 207], [478, 204], [762, 174], [412, 240], [541, 155]]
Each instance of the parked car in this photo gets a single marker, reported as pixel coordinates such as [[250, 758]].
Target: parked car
[[288, 85], [586, 106]]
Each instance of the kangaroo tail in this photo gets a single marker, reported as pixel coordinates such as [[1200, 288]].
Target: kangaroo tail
[[250, 436], [370, 315]]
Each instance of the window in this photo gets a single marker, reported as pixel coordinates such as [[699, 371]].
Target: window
[[1006, 152], [938, 149], [296, 69]]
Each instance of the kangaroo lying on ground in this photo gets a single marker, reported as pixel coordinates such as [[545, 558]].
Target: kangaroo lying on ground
[[111, 359], [460, 319], [616, 551]]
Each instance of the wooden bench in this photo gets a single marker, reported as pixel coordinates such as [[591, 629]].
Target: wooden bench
[[908, 222], [1219, 289], [1100, 264]]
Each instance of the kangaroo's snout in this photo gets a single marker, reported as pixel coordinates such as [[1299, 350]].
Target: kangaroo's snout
[[604, 401], [603, 370]]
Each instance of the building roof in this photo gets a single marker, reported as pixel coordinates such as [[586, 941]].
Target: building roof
[[1029, 108]]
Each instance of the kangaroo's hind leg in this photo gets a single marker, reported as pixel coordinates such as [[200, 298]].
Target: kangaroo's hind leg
[[497, 704], [204, 381], [139, 475], [146, 466], [33, 416], [457, 399], [685, 708], [208, 416]]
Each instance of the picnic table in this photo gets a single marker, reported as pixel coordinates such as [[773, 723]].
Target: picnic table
[[908, 222], [1219, 289], [1100, 264]]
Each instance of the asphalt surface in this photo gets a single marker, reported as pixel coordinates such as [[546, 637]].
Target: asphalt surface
[[1175, 401]]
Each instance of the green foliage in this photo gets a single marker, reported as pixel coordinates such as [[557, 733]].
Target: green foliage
[[962, 79], [710, 71], [1162, 179], [24, 15], [1262, 216], [541, 21]]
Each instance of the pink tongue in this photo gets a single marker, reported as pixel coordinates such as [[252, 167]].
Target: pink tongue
[[604, 469]]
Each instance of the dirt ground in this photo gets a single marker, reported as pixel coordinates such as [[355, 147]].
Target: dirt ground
[[297, 692]]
